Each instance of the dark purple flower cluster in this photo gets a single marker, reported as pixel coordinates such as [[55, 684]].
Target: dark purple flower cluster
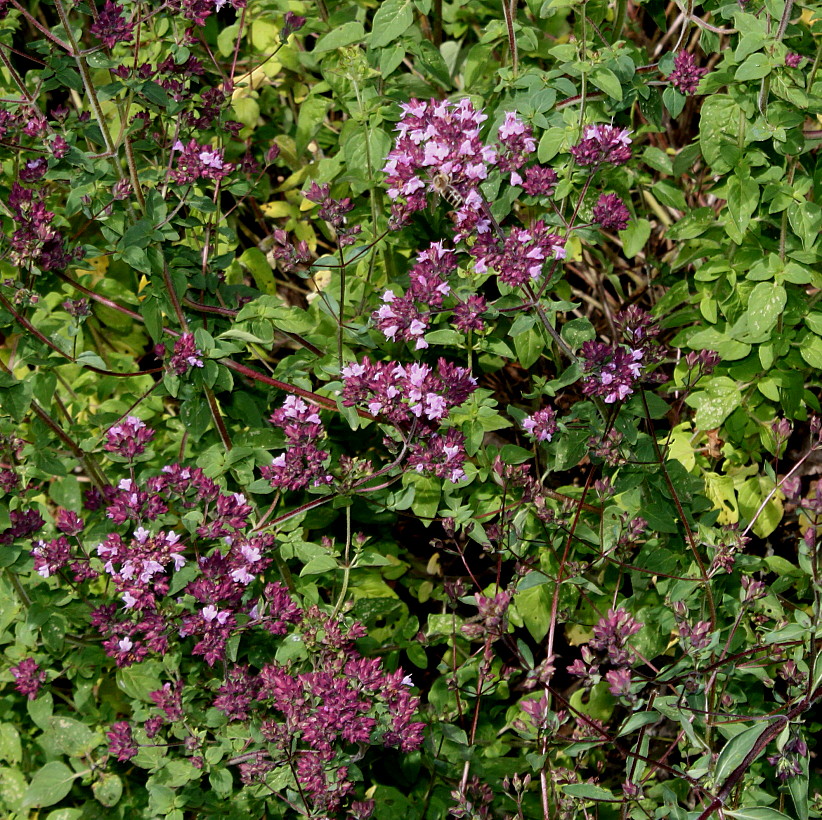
[[198, 11], [9, 480], [52, 556], [686, 74], [519, 258], [334, 211], [111, 26], [466, 315], [291, 256], [195, 161], [33, 170], [291, 24], [491, 621], [121, 741], [302, 462], [612, 371], [129, 438], [793, 60], [542, 425], [787, 762], [23, 523], [602, 144], [21, 121], [539, 180], [611, 214], [29, 676], [78, 308], [438, 150], [186, 355], [35, 241]]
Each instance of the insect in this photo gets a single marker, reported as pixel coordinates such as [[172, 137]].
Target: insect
[[441, 183]]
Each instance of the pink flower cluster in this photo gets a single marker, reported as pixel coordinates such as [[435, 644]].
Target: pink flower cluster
[[304, 714], [438, 150], [612, 371], [406, 317], [302, 462], [408, 396], [195, 161], [542, 425], [602, 144], [129, 438], [610, 639], [186, 355], [138, 566], [416, 399], [519, 257]]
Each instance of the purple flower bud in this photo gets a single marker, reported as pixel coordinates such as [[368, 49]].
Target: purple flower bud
[[611, 214], [686, 74]]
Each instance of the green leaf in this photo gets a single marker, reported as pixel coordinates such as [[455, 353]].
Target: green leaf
[[718, 124], [588, 791], [716, 402], [634, 237], [11, 749], [427, 493], [393, 17], [49, 785], [72, 737], [736, 749], [12, 786], [605, 79], [757, 813], [806, 220], [319, 564], [674, 101], [16, 398], [811, 349], [751, 495], [139, 680], [742, 199], [345, 35], [798, 787], [755, 67], [390, 59], [108, 790], [529, 346], [221, 781], [534, 607], [765, 305]]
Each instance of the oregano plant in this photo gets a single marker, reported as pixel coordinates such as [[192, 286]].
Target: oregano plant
[[410, 409]]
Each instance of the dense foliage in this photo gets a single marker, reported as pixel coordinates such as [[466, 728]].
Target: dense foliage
[[408, 409]]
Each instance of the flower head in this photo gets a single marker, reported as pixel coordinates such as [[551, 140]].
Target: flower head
[[686, 74]]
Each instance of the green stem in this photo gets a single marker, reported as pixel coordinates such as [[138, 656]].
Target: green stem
[[509, 10], [346, 564], [82, 66], [619, 19]]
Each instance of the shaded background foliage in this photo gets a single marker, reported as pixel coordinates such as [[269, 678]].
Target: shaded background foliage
[[625, 628]]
